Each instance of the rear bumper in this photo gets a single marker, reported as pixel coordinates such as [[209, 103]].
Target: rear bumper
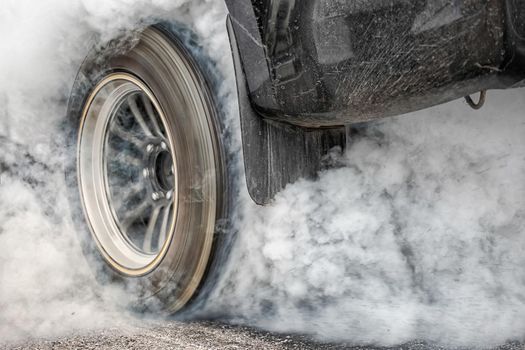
[[326, 63]]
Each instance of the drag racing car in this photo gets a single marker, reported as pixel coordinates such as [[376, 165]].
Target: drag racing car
[[150, 176]]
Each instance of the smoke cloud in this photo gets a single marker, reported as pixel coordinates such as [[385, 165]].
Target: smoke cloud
[[418, 233], [47, 287]]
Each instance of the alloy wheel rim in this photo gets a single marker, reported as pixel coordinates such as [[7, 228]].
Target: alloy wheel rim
[[127, 174]]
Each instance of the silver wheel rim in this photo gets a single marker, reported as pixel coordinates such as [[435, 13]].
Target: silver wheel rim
[[128, 175]]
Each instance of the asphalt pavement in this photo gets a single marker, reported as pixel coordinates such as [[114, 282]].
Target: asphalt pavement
[[203, 335]]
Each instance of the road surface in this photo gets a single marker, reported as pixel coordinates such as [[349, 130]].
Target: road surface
[[201, 335]]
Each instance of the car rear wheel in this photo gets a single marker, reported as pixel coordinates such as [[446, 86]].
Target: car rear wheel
[[149, 167]]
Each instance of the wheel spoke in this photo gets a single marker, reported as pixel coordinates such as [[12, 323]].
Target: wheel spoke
[[132, 102], [131, 191], [134, 214], [148, 237], [164, 225], [152, 116], [125, 160], [126, 135]]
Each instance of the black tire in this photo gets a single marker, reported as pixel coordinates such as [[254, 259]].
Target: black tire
[[161, 69]]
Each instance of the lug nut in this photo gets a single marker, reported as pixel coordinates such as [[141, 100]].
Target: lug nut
[[156, 196], [169, 194], [163, 145], [149, 148], [145, 172]]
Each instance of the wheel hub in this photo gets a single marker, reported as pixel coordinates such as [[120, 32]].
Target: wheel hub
[[159, 170]]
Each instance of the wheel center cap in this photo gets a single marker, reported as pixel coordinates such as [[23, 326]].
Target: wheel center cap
[[163, 169], [160, 169]]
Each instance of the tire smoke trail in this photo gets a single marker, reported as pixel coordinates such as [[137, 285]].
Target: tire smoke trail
[[418, 234]]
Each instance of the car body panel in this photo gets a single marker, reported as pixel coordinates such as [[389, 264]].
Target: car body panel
[[333, 62], [306, 69]]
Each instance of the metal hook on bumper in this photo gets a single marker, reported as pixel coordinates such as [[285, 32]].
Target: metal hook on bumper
[[481, 101]]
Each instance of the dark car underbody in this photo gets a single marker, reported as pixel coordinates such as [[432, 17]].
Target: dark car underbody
[[307, 68]]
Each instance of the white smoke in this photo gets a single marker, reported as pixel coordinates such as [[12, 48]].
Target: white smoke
[[417, 235], [46, 286]]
